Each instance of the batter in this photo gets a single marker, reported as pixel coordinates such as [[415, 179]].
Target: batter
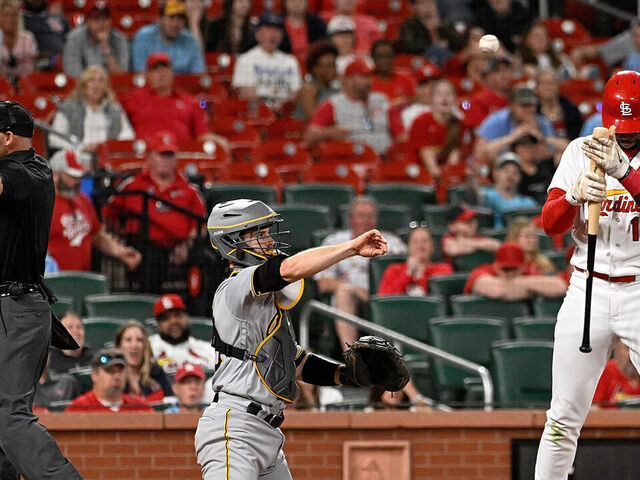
[[616, 283]]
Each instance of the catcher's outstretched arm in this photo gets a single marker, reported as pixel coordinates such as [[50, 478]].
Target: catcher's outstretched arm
[[320, 371]]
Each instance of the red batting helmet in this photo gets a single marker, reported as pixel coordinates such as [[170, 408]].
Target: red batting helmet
[[621, 102]]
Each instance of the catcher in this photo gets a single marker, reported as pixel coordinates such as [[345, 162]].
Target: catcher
[[258, 359]]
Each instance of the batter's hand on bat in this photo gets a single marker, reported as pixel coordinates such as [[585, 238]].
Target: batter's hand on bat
[[607, 154], [590, 187], [370, 244]]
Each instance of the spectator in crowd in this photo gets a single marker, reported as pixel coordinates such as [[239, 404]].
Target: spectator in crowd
[[143, 376], [181, 113], [537, 53], [462, 237], [501, 128], [50, 265], [61, 361], [420, 34], [109, 379], [399, 87], [173, 345], [348, 280], [96, 42], [18, 49], [523, 231], [505, 278], [619, 381], [409, 397], [188, 387], [421, 103], [301, 28], [321, 65], [593, 121], [197, 21], [367, 30], [506, 19], [91, 113], [468, 61], [503, 195], [341, 30], [75, 226], [170, 36], [55, 388], [264, 72], [437, 137], [498, 77], [632, 62], [356, 113], [171, 232], [233, 32], [560, 111], [536, 164], [412, 277], [50, 30]]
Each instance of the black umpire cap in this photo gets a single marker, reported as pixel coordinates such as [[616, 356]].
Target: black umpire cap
[[16, 119]]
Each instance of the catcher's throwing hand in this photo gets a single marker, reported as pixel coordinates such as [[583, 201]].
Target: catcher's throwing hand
[[374, 361], [370, 244], [607, 154]]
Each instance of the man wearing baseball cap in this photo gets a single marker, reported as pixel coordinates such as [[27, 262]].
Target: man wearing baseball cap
[[356, 113], [188, 385], [170, 35], [28, 327], [462, 237], [504, 279], [173, 345], [107, 395], [171, 231], [75, 226], [96, 42], [366, 27]]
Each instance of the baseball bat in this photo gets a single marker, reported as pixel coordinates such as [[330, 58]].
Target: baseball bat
[[592, 235]]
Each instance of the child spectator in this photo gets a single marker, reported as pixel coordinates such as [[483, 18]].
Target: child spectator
[[523, 231], [188, 387]]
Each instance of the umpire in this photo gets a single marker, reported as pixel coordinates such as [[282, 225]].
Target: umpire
[[26, 206]]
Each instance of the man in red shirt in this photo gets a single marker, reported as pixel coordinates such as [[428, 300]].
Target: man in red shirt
[[107, 395], [367, 29], [504, 279], [399, 87], [75, 227], [170, 231], [498, 78], [462, 237]]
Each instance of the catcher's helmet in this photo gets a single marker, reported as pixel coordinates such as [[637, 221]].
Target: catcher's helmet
[[621, 102], [229, 220]]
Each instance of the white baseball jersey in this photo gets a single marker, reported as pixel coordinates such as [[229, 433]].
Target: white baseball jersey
[[195, 351]]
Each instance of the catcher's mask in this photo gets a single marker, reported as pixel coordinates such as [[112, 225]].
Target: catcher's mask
[[228, 222]]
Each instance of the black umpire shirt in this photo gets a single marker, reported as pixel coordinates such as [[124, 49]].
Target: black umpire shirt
[[26, 208]]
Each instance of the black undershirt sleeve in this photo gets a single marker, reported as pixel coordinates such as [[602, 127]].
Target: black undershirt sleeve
[[267, 278]]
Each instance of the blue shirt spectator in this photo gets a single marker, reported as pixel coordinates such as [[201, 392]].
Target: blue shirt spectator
[[502, 122], [50, 265], [590, 123]]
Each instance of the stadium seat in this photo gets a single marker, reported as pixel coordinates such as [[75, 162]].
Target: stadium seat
[[251, 173], [123, 306], [394, 218], [130, 22], [242, 136], [285, 129], [201, 328], [485, 217], [509, 215], [334, 171], [521, 372], [64, 304], [40, 105], [302, 221], [400, 171], [484, 306], [288, 158], [466, 337], [534, 328], [407, 194], [377, 266], [330, 195], [77, 285], [545, 242], [499, 234], [83, 376], [466, 263], [99, 331], [203, 87], [457, 194], [253, 112], [544, 307], [47, 83], [220, 64], [446, 286], [385, 9], [435, 215], [558, 258], [221, 192]]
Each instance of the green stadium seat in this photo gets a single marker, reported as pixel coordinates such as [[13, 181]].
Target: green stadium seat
[[457, 194], [223, 192], [497, 233], [83, 375], [485, 217], [488, 307], [521, 372], [302, 221], [509, 215], [545, 307], [545, 242], [201, 327], [466, 337], [318, 236], [77, 285], [557, 257], [447, 285], [377, 266], [393, 218], [328, 194], [64, 304], [99, 331], [407, 194], [124, 306], [534, 328], [435, 216], [466, 263]]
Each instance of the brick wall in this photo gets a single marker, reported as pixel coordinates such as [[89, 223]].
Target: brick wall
[[474, 445]]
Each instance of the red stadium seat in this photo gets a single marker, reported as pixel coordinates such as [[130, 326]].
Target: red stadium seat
[[220, 65], [39, 105], [122, 148], [401, 170], [334, 172], [212, 170], [409, 61], [260, 6], [253, 112], [285, 128], [47, 83], [350, 152], [288, 159], [385, 9], [124, 81], [135, 6], [242, 137], [6, 88], [576, 89], [124, 164], [202, 86], [251, 172], [130, 22], [571, 32]]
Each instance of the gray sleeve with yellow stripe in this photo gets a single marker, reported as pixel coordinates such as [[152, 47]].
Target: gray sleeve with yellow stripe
[[259, 324]]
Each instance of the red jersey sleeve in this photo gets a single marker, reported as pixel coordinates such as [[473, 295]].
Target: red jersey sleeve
[[323, 116], [486, 269], [394, 280], [557, 213]]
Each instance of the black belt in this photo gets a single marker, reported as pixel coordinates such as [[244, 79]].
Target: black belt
[[15, 289], [256, 409]]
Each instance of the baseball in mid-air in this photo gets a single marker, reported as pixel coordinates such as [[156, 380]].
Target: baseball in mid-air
[[489, 43]]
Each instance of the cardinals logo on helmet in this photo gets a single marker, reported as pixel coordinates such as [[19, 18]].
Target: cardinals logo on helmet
[[625, 109]]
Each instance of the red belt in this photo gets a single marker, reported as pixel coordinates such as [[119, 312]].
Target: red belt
[[622, 279]]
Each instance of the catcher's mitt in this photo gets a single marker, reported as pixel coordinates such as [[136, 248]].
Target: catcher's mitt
[[374, 361]]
